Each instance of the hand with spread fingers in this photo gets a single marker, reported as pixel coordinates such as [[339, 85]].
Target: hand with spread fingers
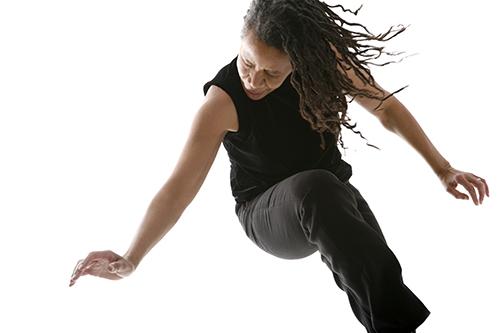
[[451, 177], [104, 264]]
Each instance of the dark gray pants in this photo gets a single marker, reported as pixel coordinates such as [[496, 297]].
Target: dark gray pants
[[313, 210]]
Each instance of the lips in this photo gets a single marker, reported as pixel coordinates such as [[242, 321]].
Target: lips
[[254, 93]]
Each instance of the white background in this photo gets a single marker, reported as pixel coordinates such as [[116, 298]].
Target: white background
[[96, 101]]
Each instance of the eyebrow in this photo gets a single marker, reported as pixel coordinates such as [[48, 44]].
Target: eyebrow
[[267, 70]]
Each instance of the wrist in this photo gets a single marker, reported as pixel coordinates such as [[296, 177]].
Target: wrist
[[133, 260], [443, 169]]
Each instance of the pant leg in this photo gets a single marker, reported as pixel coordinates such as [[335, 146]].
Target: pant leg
[[314, 211]]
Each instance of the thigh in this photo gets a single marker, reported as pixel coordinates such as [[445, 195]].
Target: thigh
[[271, 221]]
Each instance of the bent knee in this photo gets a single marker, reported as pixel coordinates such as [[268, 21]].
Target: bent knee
[[318, 183]]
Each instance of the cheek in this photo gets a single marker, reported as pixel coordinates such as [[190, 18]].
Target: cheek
[[274, 83], [242, 70]]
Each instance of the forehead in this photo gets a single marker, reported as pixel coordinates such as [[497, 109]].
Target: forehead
[[265, 56]]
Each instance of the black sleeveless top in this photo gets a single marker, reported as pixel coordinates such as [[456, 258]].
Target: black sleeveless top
[[273, 141]]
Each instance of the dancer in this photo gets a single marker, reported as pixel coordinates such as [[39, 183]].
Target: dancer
[[278, 108]]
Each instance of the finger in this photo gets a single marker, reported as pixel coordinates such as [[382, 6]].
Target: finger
[[115, 271], [79, 272], [486, 187], [96, 267], [483, 181], [468, 186], [95, 264], [112, 267], [480, 187], [102, 268], [82, 268], [457, 194], [117, 268], [81, 265], [78, 264], [92, 257], [76, 272]]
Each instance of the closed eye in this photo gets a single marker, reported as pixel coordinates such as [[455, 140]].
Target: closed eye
[[247, 64], [274, 74]]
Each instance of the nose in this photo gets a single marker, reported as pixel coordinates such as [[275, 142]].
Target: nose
[[256, 80]]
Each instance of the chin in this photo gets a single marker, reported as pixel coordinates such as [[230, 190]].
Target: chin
[[256, 98]]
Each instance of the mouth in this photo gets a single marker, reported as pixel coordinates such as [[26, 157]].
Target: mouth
[[254, 94]]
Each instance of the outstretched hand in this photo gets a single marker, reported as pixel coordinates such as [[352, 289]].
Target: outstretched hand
[[104, 264], [451, 177]]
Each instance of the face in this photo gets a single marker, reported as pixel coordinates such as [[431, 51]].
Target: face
[[262, 68]]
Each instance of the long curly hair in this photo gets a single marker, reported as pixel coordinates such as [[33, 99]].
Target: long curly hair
[[304, 29]]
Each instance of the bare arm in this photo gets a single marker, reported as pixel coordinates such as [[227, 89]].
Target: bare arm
[[396, 118], [400, 121], [208, 129]]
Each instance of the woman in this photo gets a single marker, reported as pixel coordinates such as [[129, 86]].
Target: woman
[[277, 108]]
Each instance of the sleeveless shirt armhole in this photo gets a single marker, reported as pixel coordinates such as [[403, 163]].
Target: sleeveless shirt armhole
[[242, 129]]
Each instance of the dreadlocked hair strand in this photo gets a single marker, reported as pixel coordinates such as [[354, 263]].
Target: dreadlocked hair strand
[[306, 30]]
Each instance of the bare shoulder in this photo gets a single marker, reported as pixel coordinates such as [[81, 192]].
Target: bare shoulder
[[222, 107]]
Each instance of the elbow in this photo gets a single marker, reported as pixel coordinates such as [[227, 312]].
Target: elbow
[[387, 121], [388, 113]]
